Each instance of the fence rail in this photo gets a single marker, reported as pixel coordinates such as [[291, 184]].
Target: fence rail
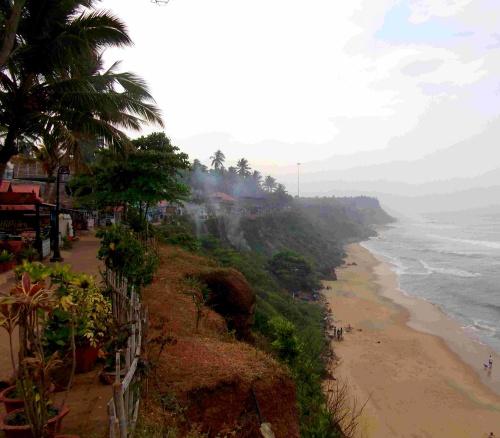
[[123, 408]]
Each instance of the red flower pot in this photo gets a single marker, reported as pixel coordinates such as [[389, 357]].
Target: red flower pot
[[24, 431], [86, 357], [10, 403], [15, 246], [7, 266]]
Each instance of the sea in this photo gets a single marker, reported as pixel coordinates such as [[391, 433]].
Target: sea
[[453, 261]]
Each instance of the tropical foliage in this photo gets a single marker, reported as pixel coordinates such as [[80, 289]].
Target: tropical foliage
[[53, 82], [123, 252], [140, 178], [293, 271], [239, 180]]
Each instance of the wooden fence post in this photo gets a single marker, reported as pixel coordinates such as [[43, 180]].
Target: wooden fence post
[[120, 409]]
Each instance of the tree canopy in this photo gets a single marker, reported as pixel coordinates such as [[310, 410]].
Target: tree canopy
[[293, 271], [149, 173], [53, 83]]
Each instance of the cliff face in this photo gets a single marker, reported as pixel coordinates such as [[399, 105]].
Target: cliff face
[[212, 381]]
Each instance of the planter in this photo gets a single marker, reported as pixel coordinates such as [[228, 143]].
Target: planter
[[7, 266], [16, 245], [10, 404], [24, 431], [86, 358]]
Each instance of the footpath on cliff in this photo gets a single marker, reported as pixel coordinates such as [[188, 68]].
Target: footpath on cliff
[[88, 397]]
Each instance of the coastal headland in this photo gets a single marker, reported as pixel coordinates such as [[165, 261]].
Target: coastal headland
[[417, 384]]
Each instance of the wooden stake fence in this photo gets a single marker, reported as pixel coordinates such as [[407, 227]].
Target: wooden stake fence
[[123, 408]]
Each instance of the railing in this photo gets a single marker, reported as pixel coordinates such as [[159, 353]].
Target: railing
[[123, 408]]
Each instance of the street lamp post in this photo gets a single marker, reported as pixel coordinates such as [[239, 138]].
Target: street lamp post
[[56, 257], [298, 180]]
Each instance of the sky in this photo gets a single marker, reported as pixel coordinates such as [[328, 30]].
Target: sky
[[287, 81]]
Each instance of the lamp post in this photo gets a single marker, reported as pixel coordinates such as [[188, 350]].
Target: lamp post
[[56, 257], [298, 180]]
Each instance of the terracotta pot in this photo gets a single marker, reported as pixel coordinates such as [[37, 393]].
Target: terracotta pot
[[10, 404], [15, 246], [7, 266], [86, 357], [53, 425]]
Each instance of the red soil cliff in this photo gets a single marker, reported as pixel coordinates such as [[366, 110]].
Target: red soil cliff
[[213, 381]]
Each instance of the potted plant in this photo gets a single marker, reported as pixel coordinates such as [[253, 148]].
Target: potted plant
[[91, 313], [94, 316], [28, 253], [11, 398], [30, 306], [9, 318], [6, 261], [108, 374], [16, 424]]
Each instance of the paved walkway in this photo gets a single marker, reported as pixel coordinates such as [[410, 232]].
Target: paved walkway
[[88, 398]]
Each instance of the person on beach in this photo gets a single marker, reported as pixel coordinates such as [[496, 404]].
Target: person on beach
[[341, 333], [490, 362], [491, 435]]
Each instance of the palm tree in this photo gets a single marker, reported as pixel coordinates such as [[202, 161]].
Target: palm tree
[[54, 82], [280, 189], [243, 167], [197, 165], [269, 183], [257, 178], [218, 159], [50, 154]]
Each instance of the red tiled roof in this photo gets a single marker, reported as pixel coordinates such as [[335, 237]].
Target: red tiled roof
[[222, 197], [26, 188], [20, 195], [4, 185]]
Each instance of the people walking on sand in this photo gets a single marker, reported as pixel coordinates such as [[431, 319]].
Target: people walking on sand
[[490, 362], [341, 333]]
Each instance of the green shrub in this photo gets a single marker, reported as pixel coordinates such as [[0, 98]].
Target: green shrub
[[285, 341], [6, 256], [178, 232], [124, 253]]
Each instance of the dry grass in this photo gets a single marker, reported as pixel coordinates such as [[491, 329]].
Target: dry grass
[[344, 409], [184, 361]]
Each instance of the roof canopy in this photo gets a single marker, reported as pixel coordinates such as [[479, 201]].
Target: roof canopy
[[19, 197]]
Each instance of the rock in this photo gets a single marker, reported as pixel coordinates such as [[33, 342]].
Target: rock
[[333, 275], [266, 431], [232, 297]]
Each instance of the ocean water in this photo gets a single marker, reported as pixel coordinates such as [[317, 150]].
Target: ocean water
[[453, 261]]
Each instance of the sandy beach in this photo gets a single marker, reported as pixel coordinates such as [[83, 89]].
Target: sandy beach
[[422, 374]]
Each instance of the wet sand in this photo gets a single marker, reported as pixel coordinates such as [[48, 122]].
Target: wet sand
[[422, 374]]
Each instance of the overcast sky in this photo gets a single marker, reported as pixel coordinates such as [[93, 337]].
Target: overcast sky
[[281, 81]]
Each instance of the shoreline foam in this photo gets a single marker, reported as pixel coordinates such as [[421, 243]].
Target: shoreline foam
[[428, 317], [422, 372]]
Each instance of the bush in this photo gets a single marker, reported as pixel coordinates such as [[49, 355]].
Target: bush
[[6, 256], [178, 233], [293, 271], [125, 254], [286, 342]]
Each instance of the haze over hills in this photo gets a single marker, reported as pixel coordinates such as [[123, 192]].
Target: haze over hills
[[465, 175]]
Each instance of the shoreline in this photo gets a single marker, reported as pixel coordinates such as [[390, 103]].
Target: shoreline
[[427, 317], [422, 374]]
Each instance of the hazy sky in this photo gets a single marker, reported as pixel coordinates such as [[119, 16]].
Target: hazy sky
[[281, 81]]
